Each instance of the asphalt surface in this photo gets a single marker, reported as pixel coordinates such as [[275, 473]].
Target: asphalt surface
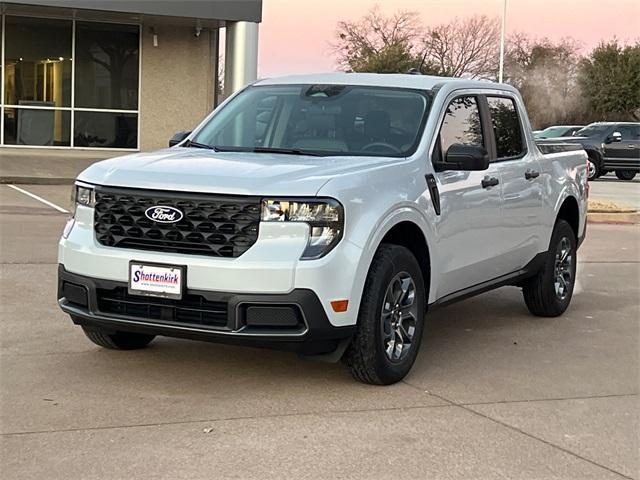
[[495, 392], [609, 188]]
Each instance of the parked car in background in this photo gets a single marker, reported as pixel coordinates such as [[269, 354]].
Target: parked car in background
[[556, 131], [611, 146]]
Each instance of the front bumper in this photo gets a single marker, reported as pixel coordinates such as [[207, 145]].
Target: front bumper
[[271, 266], [295, 321]]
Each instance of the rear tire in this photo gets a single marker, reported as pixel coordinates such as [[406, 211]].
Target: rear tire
[[625, 174], [390, 320], [118, 340], [549, 293]]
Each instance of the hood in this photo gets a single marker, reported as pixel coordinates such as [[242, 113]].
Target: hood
[[242, 173]]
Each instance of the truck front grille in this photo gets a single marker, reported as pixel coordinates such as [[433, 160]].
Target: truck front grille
[[191, 310], [212, 225]]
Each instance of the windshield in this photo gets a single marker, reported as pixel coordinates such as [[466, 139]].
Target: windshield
[[592, 130], [319, 120]]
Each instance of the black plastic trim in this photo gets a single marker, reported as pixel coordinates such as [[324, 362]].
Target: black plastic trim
[[316, 336], [514, 278], [433, 192]]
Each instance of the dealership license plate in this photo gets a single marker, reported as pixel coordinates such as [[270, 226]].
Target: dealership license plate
[[156, 280]]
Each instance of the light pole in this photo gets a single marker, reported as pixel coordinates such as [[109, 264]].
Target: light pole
[[504, 20]]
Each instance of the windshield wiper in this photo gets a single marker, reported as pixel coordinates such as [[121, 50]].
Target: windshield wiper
[[286, 151], [191, 143]]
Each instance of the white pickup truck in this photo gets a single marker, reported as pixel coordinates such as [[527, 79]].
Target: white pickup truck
[[326, 214]]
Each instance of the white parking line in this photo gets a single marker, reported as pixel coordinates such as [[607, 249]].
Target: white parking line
[[40, 199]]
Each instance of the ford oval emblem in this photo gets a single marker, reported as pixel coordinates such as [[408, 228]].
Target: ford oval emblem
[[163, 214]]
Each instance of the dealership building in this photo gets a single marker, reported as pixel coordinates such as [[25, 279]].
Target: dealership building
[[90, 76]]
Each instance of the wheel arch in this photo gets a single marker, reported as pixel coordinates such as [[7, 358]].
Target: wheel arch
[[592, 152], [407, 227], [409, 235], [570, 212]]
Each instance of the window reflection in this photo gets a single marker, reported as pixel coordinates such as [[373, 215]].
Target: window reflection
[[105, 129], [461, 124], [37, 61], [37, 73], [106, 66], [506, 127], [37, 127]]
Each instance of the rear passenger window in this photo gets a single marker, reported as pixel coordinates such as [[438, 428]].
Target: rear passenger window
[[461, 124], [506, 127]]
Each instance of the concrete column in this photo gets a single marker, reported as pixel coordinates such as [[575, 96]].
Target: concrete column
[[241, 55]]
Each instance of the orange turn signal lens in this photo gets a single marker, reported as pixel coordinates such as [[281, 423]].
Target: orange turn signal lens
[[340, 305]]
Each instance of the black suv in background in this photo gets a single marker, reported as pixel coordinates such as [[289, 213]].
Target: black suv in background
[[611, 146]]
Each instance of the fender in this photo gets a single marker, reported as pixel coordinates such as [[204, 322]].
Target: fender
[[404, 213], [596, 153]]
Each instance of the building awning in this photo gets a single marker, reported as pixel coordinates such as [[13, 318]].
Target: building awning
[[211, 12]]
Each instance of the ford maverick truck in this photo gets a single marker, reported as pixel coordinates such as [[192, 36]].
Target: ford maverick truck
[[326, 215]]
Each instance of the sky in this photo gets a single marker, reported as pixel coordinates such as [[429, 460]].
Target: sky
[[295, 35]]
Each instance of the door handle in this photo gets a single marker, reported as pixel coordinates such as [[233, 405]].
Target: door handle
[[489, 182], [531, 174]]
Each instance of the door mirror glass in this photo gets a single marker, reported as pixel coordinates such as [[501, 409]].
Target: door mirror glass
[[465, 157], [614, 137], [179, 137]]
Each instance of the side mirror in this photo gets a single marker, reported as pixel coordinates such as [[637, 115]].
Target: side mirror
[[464, 157], [179, 137], [616, 137]]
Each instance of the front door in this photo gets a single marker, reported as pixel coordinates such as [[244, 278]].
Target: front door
[[468, 225], [625, 152]]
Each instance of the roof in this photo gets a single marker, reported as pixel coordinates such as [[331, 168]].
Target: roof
[[400, 80]]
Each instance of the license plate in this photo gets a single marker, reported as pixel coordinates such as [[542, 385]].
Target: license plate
[[155, 280]]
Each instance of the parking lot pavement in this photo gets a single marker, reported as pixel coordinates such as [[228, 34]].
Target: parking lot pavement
[[609, 188], [494, 393]]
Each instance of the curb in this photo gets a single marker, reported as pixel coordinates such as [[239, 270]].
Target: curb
[[627, 218], [37, 180]]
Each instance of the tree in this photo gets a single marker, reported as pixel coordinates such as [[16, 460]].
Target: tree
[[464, 47], [546, 73], [610, 80], [381, 44]]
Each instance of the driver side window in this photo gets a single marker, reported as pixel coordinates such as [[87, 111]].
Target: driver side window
[[461, 124]]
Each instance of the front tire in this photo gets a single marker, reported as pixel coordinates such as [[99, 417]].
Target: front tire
[[594, 168], [549, 293], [390, 320], [118, 340], [625, 174]]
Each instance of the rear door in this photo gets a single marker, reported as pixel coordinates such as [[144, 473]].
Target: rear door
[[522, 184], [469, 240]]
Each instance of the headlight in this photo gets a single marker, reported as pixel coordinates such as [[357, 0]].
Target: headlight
[[84, 194], [325, 218]]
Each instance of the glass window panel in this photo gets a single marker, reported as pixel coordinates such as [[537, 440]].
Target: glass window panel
[[106, 66], [461, 124], [506, 127], [105, 129], [37, 61], [37, 127]]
